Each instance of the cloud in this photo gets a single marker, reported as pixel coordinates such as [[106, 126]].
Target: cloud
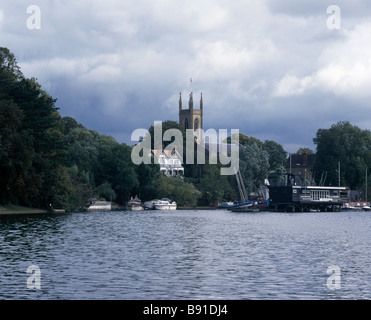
[[119, 65], [291, 85], [344, 68]]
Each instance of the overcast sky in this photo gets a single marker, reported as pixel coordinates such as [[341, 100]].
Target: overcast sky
[[272, 69]]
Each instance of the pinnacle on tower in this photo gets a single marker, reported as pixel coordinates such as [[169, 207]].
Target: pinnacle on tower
[[180, 101], [190, 101]]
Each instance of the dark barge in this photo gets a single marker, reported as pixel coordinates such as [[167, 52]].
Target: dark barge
[[304, 198]]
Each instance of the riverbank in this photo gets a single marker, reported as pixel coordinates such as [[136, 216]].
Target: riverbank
[[11, 209]]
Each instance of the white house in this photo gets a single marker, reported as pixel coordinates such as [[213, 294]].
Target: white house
[[170, 161]]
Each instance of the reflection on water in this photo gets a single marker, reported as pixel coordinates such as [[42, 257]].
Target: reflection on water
[[186, 255]]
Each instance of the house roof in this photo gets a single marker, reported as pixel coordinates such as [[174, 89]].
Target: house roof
[[167, 153]]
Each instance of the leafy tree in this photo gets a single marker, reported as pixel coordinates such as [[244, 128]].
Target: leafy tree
[[147, 176], [348, 145], [214, 187], [277, 156], [125, 180], [105, 191], [176, 189], [19, 180], [9, 66], [166, 125], [46, 159], [254, 166]]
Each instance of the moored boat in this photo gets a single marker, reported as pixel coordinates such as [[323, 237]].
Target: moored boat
[[165, 204], [356, 206], [135, 205], [100, 206], [149, 205], [226, 205]]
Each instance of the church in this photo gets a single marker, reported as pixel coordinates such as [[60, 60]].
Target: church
[[171, 163], [191, 118]]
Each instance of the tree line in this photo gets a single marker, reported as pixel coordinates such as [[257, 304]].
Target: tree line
[[46, 159], [344, 152]]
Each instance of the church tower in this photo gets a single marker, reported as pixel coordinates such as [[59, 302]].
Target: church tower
[[191, 118]]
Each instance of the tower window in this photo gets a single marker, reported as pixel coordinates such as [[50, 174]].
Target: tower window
[[186, 124], [196, 124]]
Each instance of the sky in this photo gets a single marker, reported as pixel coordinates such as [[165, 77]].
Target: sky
[[274, 69]]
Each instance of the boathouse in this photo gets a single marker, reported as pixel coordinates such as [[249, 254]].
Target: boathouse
[[307, 197]]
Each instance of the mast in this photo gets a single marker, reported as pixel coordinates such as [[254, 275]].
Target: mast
[[241, 186], [366, 185]]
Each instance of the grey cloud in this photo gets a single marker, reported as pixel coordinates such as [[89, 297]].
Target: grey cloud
[[119, 65]]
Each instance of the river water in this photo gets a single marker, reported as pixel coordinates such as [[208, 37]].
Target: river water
[[210, 255]]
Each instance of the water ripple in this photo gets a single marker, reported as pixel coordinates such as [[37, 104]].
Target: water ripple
[[186, 255]]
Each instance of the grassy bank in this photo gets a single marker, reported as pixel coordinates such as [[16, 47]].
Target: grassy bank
[[13, 209]]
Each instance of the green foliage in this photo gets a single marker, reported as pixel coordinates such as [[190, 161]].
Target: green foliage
[[277, 157], [47, 160], [105, 191], [166, 125], [147, 177], [254, 166], [347, 144], [176, 189], [215, 188]]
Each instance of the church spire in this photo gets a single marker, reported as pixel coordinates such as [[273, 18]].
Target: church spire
[[180, 101]]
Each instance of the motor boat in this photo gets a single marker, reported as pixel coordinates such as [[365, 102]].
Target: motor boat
[[165, 204], [135, 205]]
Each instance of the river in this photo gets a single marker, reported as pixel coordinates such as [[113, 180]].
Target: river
[[211, 254]]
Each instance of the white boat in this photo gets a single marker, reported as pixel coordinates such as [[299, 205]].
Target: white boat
[[366, 208], [150, 205], [355, 206], [100, 206], [135, 205], [226, 205], [165, 204]]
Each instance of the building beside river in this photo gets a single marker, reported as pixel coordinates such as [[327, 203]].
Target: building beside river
[[170, 161]]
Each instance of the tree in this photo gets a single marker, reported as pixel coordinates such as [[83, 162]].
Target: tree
[[147, 176], [214, 187], [345, 144], [277, 156], [177, 190], [46, 159], [254, 166], [166, 125], [8, 65], [19, 180]]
